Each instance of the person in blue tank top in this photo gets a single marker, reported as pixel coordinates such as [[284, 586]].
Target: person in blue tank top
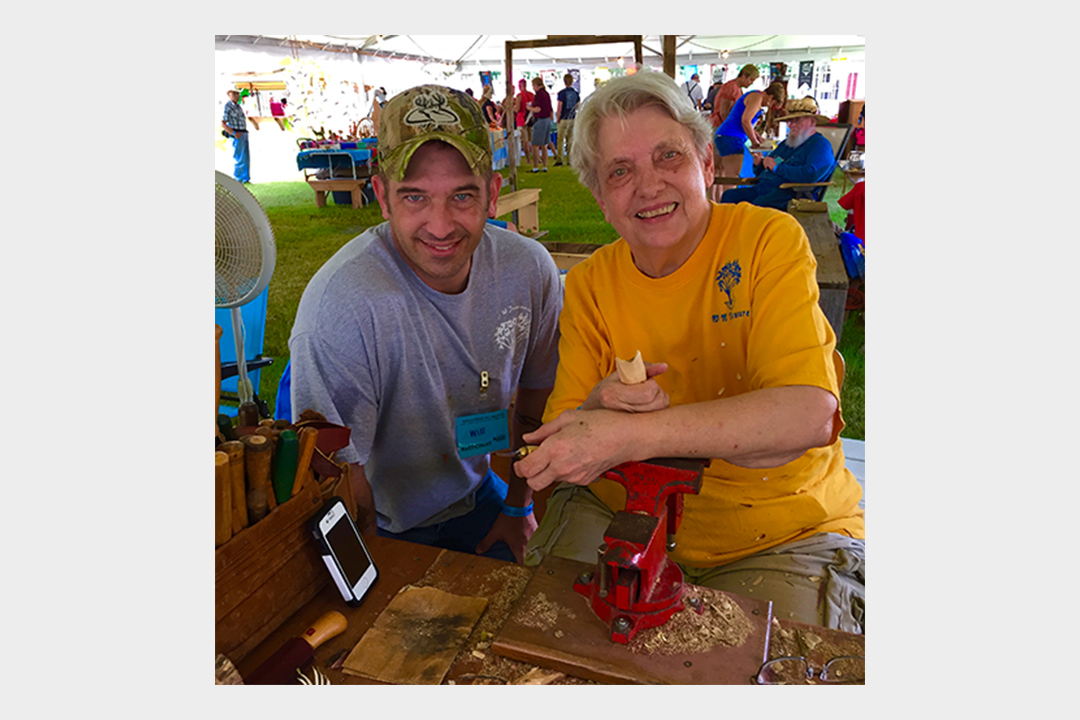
[[805, 156], [738, 127]]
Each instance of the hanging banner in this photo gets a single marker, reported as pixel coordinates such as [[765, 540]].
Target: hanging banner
[[485, 78], [577, 79], [806, 74]]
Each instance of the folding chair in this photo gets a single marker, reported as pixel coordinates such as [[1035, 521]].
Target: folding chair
[[837, 135]]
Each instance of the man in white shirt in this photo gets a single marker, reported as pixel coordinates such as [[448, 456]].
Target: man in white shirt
[[693, 89]]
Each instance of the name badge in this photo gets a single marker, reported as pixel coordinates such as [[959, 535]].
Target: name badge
[[482, 434]]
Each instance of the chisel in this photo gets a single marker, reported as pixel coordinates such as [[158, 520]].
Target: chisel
[[308, 436], [280, 668], [257, 469], [235, 450]]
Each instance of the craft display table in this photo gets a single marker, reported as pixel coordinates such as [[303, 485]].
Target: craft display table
[[527, 611]]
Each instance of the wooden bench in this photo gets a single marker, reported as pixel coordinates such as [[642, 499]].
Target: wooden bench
[[567, 255], [353, 186], [527, 203], [832, 275]]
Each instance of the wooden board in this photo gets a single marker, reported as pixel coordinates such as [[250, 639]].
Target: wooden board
[[417, 637], [553, 626]]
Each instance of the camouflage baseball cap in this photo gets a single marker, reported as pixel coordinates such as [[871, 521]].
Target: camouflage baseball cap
[[432, 112]]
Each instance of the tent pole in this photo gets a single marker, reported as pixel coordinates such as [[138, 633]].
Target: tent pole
[[511, 121]]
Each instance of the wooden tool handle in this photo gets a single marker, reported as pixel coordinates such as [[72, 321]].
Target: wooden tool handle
[[222, 500], [235, 450], [286, 455], [271, 436], [248, 414], [257, 458], [326, 627], [308, 437]]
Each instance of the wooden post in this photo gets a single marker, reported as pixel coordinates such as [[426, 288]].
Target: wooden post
[[669, 56], [511, 120], [559, 41]]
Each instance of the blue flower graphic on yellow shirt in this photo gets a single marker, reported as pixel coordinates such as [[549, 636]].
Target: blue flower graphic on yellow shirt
[[728, 277]]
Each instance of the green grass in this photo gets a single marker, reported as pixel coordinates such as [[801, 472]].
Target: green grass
[[306, 237]]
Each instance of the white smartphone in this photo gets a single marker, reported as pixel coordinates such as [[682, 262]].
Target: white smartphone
[[343, 551]]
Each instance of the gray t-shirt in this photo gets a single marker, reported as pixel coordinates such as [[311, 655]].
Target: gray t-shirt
[[375, 349]]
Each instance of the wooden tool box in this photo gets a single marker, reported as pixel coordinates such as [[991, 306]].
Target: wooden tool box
[[270, 569]]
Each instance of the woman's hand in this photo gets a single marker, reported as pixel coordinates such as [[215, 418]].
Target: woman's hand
[[612, 394]]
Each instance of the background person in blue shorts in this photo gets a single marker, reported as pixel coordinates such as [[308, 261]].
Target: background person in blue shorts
[[738, 127]]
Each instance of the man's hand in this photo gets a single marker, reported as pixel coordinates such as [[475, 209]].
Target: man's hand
[[365, 500], [515, 532], [769, 163], [611, 394]]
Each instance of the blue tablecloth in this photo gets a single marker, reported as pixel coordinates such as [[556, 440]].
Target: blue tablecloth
[[337, 159]]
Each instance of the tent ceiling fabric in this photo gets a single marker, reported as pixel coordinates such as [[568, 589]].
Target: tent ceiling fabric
[[490, 50]]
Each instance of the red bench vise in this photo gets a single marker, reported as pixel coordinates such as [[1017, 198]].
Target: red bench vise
[[635, 585]]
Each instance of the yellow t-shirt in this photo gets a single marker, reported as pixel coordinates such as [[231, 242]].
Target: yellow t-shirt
[[741, 314]]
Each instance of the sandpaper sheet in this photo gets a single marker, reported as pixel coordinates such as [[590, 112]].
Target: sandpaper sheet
[[415, 639]]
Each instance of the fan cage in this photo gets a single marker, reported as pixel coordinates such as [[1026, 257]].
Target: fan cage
[[243, 247]]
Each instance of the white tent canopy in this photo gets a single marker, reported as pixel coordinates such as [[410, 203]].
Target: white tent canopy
[[484, 52], [351, 66]]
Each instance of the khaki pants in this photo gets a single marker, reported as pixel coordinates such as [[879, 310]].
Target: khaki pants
[[564, 134], [819, 580]]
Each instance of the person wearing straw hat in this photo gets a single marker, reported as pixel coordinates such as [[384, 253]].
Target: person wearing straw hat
[[420, 332], [805, 156]]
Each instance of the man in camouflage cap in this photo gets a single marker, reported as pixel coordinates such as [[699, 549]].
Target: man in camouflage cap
[[419, 333]]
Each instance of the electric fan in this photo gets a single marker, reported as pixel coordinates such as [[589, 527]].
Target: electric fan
[[244, 256]]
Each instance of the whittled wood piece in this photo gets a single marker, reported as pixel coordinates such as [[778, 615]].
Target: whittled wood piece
[[225, 673], [631, 372]]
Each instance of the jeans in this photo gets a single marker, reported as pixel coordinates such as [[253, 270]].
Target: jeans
[[762, 197], [465, 532], [242, 156]]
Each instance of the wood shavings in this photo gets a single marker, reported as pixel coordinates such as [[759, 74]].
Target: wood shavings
[[317, 678], [631, 372], [538, 676], [541, 613], [721, 622]]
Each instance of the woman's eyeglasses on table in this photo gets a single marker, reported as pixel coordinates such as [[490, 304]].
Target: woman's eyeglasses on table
[[843, 670]]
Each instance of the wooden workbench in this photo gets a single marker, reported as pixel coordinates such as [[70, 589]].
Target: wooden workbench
[[401, 564]]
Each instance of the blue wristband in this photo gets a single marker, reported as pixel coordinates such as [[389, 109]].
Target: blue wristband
[[517, 511]]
